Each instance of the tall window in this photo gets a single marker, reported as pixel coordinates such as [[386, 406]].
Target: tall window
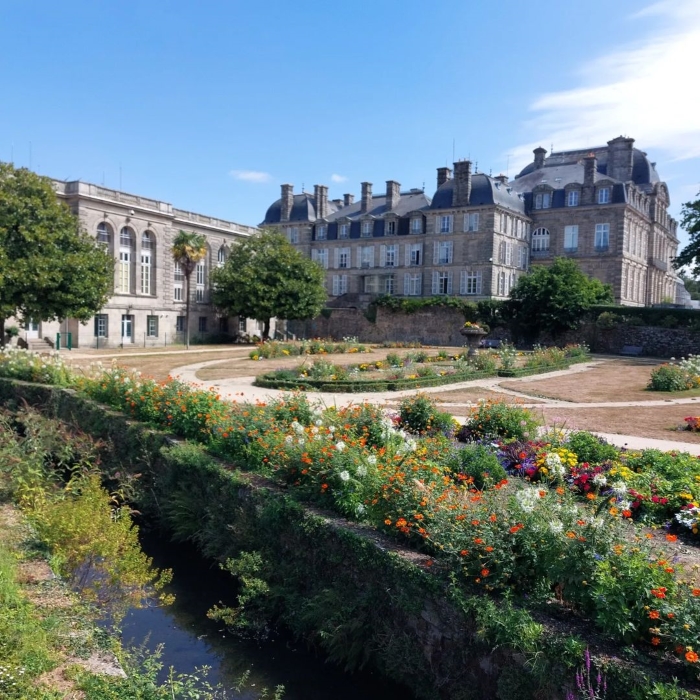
[[522, 262], [371, 284], [321, 232], [126, 256], [572, 198], [104, 233], [501, 283], [201, 274], [366, 256], [180, 324], [443, 253], [417, 225], [390, 255], [445, 224], [366, 230], [540, 240], [342, 258], [602, 236], [389, 285], [178, 278], [101, 325], [604, 195], [344, 231], [543, 200], [412, 285], [570, 239], [340, 285], [293, 234], [320, 255], [414, 254], [471, 221], [152, 326], [146, 263], [221, 257], [442, 283], [470, 282], [390, 228]]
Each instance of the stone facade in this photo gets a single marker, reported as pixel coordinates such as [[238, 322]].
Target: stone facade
[[605, 207], [148, 306]]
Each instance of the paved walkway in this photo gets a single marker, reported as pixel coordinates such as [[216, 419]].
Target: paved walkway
[[242, 389]]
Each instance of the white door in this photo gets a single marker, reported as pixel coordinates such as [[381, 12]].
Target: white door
[[127, 328], [32, 329]]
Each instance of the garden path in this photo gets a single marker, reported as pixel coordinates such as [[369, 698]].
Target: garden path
[[242, 389]]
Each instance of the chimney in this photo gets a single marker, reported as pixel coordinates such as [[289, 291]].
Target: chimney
[[348, 199], [620, 158], [321, 199], [338, 203], [393, 194], [366, 197], [590, 166], [462, 191], [287, 202], [444, 174], [540, 153], [503, 179]]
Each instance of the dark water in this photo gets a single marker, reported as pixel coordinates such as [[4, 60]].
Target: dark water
[[192, 640]]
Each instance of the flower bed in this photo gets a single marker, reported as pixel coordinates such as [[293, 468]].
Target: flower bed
[[274, 348], [540, 539], [680, 376]]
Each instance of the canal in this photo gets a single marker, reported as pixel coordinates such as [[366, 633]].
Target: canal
[[191, 640]]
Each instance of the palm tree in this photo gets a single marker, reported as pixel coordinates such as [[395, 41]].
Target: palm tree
[[189, 248]]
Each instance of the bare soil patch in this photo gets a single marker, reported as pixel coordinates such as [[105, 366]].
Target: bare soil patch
[[658, 422], [474, 393], [612, 380]]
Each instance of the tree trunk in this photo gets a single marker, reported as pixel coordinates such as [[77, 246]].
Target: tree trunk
[[2, 332], [187, 309], [266, 330]]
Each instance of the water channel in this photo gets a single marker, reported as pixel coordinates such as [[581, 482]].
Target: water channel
[[191, 640]]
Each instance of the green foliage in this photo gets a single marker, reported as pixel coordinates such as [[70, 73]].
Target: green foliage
[[188, 249], [590, 448], [555, 298], [478, 462], [498, 419], [265, 277], [17, 363], [690, 221], [50, 268], [419, 414], [647, 315], [671, 377]]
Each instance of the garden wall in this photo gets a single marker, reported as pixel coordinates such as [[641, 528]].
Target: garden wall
[[338, 584]]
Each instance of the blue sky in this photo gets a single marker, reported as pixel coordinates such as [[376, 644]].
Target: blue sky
[[212, 105]]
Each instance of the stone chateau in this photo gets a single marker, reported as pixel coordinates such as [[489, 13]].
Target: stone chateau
[[148, 305], [606, 207]]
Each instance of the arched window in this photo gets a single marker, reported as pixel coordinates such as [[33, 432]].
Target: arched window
[[147, 261], [540, 240], [126, 259], [104, 233], [221, 257]]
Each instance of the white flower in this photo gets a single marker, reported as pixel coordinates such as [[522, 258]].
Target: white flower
[[318, 422], [314, 430], [619, 488], [553, 461], [625, 505], [556, 526], [361, 470], [344, 475], [372, 460], [340, 445], [360, 509], [300, 441], [331, 429], [297, 427], [600, 480], [527, 499]]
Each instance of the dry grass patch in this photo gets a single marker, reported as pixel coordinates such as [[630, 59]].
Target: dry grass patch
[[474, 393], [611, 380], [658, 422]]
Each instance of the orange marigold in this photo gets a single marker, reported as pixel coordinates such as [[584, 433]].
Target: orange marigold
[[654, 614], [655, 641], [671, 538], [691, 656], [486, 572]]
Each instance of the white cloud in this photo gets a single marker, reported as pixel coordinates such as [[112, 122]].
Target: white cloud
[[338, 178], [251, 175], [646, 90]]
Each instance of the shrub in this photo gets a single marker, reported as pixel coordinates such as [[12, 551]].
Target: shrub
[[418, 414], [497, 419], [477, 462], [32, 367], [670, 377], [590, 448]]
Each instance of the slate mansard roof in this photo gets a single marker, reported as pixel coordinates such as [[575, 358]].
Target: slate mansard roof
[[485, 190]]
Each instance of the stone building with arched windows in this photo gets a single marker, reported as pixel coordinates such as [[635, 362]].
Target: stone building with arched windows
[[148, 304]]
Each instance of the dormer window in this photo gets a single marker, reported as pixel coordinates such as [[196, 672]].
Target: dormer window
[[573, 197], [321, 232], [543, 200], [390, 228], [366, 230], [604, 195], [344, 231], [417, 225]]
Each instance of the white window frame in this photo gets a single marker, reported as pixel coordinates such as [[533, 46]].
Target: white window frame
[[342, 261], [602, 237], [366, 229], [445, 223], [146, 276], [443, 252], [340, 285], [417, 224], [470, 282], [390, 285], [543, 200], [152, 326], [471, 222], [320, 255], [200, 276], [412, 284], [104, 234], [604, 195], [321, 232], [540, 240], [573, 198], [101, 325], [365, 255], [442, 283], [344, 231], [293, 234], [571, 238], [391, 228]]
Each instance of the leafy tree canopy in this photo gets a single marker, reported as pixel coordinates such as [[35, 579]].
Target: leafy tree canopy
[[266, 277], [690, 221], [555, 298], [49, 268]]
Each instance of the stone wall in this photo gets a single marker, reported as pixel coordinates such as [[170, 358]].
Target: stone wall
[[654, 340]]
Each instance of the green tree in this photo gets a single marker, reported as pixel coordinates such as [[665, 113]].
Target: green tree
[[692, 285], [266, 277], [49, 268], [189, 248], [555, 298], [690, 221]]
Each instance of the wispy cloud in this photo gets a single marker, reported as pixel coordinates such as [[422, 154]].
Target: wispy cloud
[[256, 176], [338, 178], [645, 90]]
